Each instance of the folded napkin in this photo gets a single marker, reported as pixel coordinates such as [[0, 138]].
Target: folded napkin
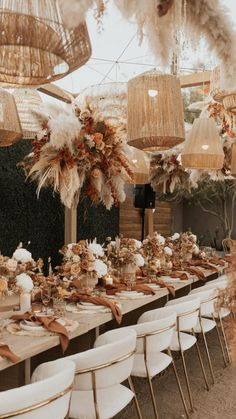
[[204, 265], [178, 274], [94, 299], [139, 287], [163, 284], [157, 281], [217, 261], [49, 323], [193, 270], [6, 351]]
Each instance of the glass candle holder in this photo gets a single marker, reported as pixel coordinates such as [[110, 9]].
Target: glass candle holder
[[59, 307]]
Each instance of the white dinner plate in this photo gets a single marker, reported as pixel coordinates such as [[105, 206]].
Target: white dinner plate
[[154, 286], [130, 295], [30, 327], [92, 307]]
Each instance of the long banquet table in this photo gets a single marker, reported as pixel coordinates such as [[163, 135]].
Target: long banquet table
[[34, 350]]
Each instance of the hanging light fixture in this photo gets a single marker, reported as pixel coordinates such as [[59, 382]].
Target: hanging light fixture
[[28, 101], [10, 128], [203, 149], [219, 95], [140, 166], [35, 45], [155, 111]]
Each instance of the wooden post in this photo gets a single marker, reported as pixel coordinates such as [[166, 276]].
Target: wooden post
[[149, 221], [70, 229]]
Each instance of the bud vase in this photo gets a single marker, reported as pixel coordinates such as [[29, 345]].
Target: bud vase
[[128, 275], [88, 281], [25, 301]]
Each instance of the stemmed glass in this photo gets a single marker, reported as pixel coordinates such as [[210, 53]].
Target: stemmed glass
[[46, 298]]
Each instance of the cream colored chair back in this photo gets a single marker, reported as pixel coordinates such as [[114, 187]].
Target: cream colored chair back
[[109, 363], [47, 397], [187, 310]]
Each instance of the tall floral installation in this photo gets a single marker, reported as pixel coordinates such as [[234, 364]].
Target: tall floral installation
[[75, 152]]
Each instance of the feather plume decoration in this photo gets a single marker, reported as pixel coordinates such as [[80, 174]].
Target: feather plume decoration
[[75, 151]]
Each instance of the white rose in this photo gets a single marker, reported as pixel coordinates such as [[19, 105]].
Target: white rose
[[22, 255], [138, 244], [168, 250], [69, 254], [75, 258], [196, 249], [96, 249], [175, 236], [139, 261], [161, 239], [194, 238], [100, 267], [24, 282]]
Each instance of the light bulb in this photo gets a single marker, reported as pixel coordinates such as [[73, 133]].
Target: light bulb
[[205, 146], [134, 161], [152, 92]]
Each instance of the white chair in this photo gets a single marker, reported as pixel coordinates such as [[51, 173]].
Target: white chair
[[154, 334], [187, 319], [97, 391], [47, 397], [218, 315]]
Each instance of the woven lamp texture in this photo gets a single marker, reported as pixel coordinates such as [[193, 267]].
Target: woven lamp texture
[[219, 95], [233, 160], [155, 119], [140, 166], [35, 46], [107, 101], [10, 128], [203, 149], [28, 101]]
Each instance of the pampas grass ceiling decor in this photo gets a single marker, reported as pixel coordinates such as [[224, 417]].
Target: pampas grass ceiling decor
[[35, 45], [10, 128], [155, 112], [203, 149]]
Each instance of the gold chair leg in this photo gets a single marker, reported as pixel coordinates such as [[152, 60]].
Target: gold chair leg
[[151, 390], [220, 341], [187, 380], [207, 351], [131, 385], [225, 339], [201, 362], [179, 385]]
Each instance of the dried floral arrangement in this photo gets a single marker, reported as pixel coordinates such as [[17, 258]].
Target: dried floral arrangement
[[153, 250], [82, 258], [75, 151], [184, 247], [166, 173], [124, 251], [16, 272]]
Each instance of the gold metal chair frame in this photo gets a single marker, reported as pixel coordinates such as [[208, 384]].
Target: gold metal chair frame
[[179, 316], [144, 337], [36, 405], [94, 387]]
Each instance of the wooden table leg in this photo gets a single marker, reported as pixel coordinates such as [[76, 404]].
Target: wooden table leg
[[27, 370]]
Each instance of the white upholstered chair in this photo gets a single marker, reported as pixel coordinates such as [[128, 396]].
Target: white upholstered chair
[[187, 319], [97, 391], [47, 397], [154, 334]]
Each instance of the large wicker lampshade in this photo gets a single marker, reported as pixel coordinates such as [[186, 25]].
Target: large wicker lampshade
[[228, 98], [107, 101], [140, 166], [10, 128], [28, 101], [155, 111], [203, 149], [35, 46]]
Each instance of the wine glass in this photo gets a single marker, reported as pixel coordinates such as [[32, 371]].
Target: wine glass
[[46, 298]]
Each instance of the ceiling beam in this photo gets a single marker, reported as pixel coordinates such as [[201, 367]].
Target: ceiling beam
[[57, 92], [195, 79]]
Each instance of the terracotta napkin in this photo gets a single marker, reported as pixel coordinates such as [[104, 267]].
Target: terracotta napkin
[[94, 299], [195, 271], [204, 265], [178, 274], [6, 351], [217, 261], [163, 284], [49, 323]]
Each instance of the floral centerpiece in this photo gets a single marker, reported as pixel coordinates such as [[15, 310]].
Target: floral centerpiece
[[83, 261], [153, 250], [75, 151], [183, 246]]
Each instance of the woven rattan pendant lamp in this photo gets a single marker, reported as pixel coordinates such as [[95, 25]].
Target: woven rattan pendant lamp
[[35, 46], [10, 128], [203, 149], [28, 101], [140, 166], [155, 111], [228, 98]]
